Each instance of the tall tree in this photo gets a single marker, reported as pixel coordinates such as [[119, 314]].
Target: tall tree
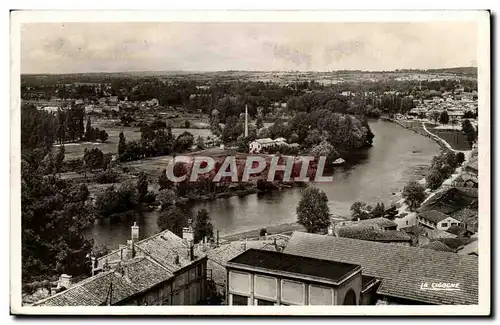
[[360, 211], [173, 219], [312, 211], [444, 118], [414, 194], [89, 131], [202, 226], [93, 158], [142, 186], [59, 159], [469, 132], [54, 217], [121, 144], [378, 211]]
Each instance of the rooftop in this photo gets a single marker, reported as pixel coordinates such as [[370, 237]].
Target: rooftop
[[402, 268], [381, 222], [437, 246], [165, 247], [450, 200], [459, 231], [293, 264], [369, 233], [132, 277], [433, 215]]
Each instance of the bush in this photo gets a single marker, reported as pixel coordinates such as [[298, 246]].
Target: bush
[[263, 232], [106, 177]]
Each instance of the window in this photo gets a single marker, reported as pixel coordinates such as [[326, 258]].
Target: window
[[265, 286], [239, 300], [239, 282], [453, 223], [320, 295], [261, 302], [292, 292], [444, 224]]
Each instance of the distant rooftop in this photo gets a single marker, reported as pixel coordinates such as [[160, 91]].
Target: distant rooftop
[[433, 215], [293, 264]]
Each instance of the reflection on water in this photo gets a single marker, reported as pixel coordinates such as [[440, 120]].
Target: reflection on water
[[370, 175]]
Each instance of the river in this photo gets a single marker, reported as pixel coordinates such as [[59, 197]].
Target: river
[[372, 175]]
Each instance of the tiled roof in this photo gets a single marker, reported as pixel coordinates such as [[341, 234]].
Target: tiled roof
[[437, 246], [450, 200], [294, 264], [369, 233], [414, 230], [381, 222], [92, 291], [144, 273], [433, 215], [76, 296], [218, 257], [456, 242], [402, 268], [469, 249], [438, 233], [131, 277], [163, 247], [155, 261], [458, 231]]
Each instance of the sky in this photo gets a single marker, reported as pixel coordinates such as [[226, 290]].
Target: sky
[[173, 46]]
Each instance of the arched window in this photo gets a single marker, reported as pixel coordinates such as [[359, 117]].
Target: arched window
[[350, 298]]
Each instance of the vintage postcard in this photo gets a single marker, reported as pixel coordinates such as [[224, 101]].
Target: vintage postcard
[[238, 162]]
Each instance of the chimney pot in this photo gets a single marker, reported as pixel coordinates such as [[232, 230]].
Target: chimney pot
[[135, 232], [65, 281], [188, 234], [244, 246]]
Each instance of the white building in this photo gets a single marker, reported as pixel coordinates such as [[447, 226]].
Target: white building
[[437, 220]]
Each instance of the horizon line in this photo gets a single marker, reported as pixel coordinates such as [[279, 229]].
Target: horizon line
[[236, 70]]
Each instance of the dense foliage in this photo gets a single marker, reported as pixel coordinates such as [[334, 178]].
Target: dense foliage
[[54, 217], [414, 194], [312, 211]]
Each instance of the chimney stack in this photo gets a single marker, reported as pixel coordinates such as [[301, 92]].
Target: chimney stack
[[135, 232], [65, 281], [244, 245], [217, 245]]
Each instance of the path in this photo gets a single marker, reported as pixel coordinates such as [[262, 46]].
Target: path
[[409, 219]]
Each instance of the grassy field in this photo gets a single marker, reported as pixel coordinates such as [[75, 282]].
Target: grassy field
[[456, 139], [75, 150]]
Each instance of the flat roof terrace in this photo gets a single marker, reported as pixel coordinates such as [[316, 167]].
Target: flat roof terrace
[[300, 266]]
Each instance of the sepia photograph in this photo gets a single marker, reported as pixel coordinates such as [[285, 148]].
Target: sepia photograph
[[181, 163]]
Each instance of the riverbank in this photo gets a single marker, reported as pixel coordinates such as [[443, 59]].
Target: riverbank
[[409, 216], [371, 176], [419, 128]]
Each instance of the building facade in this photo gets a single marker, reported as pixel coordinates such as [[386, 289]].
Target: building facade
[[258, 277]]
